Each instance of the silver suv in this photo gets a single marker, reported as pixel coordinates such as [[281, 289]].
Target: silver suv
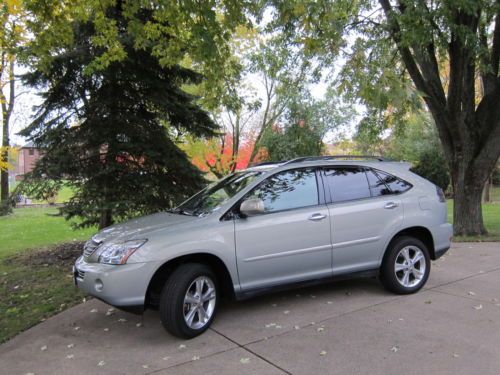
[[294, 223]]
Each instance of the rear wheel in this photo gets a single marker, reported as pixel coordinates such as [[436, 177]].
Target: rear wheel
[[189, 299], [406, 265]]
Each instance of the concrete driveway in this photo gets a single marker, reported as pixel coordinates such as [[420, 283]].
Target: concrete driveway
[[353, 327]]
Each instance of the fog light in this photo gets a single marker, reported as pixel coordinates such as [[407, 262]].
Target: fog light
[[98, 285]]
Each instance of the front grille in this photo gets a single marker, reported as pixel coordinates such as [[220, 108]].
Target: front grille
[[89, 248]]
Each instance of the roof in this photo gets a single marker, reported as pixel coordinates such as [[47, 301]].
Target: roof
[[29, 145], [366, 160]]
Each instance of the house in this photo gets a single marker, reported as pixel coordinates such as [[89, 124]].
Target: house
[[27, 157]]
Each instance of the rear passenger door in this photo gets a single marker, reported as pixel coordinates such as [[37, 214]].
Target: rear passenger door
[[364, 212]]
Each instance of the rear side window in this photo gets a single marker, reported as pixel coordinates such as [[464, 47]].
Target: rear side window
[[346, 184], [288, 190], [377, 186], [395, 185]]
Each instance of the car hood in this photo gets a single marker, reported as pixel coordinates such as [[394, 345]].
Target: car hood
[[142, 226]]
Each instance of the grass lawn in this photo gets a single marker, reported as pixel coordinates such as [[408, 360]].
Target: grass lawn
[[35, 280], [34, 228]]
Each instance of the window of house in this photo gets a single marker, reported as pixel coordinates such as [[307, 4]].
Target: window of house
[[31, 152]]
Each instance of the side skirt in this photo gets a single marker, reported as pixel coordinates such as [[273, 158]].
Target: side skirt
[[302, 284]]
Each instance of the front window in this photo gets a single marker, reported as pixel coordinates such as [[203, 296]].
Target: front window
[[215, 195], [288, 190]]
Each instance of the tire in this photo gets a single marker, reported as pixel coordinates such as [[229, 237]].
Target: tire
[[411, 275], [173, 308]]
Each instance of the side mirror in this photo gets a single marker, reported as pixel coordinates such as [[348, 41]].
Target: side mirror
[[252, 207]]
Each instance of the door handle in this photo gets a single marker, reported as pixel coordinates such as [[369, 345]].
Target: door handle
[[317, 217], [390, 205]]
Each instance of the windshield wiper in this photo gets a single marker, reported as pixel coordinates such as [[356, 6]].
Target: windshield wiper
[[180, 211]]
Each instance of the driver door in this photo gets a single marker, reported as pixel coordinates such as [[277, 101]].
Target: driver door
[[290, 241]]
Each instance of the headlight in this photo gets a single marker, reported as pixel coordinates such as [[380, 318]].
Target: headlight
[[118, 253]]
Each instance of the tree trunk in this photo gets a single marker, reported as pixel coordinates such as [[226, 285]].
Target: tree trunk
[[487, 190], [106, 219], [468, 182]]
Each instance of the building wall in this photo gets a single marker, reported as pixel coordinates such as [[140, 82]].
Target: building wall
[[27, 158]]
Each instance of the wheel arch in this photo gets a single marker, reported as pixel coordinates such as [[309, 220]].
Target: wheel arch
[[419, 232], [162, 274]]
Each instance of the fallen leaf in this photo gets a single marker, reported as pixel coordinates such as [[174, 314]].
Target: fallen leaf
[[138, 325], [166, 358], [401, 319], [296, 327], [455, 355], [394, 349], [77, 328], [320, 329], [93, 310], [106, 329], [322, 352], [428, 302], [145, 366], [245, 360], [101, 363], [286, 312], [70, 356], [70, 346], [277, 326], [122, 320], [329, 302], [43, 348], [472, 294], [269, 325], [195, 358], [478, 307], [182, 346]]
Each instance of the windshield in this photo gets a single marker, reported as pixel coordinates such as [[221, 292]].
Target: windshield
[[215, 195]]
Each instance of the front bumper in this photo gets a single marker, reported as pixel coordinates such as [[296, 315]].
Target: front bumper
[[123, 286]]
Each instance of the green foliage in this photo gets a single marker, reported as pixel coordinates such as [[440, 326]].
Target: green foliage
[[306, 121], [109, 133], [432, 166], [196, 32], [417, 142]]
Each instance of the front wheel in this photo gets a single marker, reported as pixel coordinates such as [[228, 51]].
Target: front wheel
[[406, 265], [189, 300]]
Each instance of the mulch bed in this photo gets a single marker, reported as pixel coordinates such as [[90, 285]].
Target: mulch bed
[[63, 255]]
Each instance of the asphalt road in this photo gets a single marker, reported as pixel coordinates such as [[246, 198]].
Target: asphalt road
[[352, 327]]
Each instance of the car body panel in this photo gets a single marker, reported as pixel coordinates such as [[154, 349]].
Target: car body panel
[[283, 247]]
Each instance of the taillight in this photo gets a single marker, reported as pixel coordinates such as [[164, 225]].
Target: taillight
[[440, 194]]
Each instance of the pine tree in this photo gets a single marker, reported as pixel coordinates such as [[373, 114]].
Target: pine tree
[[109, 134]]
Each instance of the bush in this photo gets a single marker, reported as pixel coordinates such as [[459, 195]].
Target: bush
[[432, 166]]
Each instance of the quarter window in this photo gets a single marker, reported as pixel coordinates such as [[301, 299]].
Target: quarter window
[[347, 184], [288, 190], [377, 186], [396, 185]]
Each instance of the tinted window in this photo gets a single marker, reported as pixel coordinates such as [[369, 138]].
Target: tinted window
[[396, 185], [377, 186], [347, 184], [214, 196], [287, 190]]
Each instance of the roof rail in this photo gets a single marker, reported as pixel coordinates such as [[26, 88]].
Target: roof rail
[[267, 163], [335, 157]]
